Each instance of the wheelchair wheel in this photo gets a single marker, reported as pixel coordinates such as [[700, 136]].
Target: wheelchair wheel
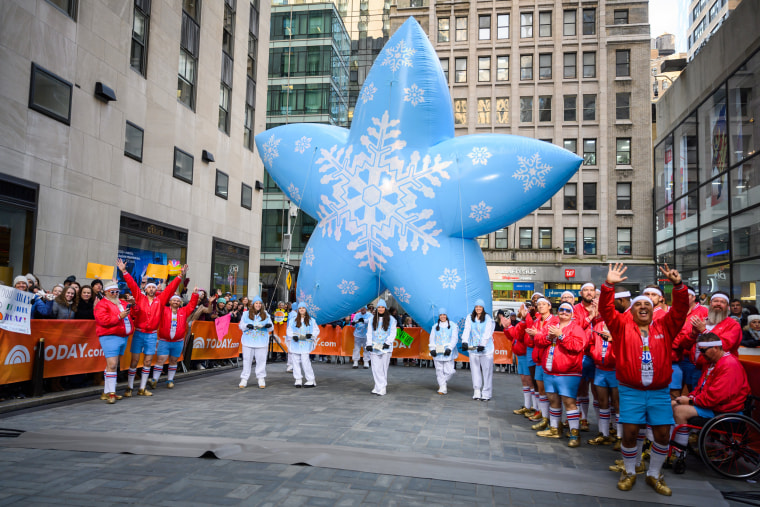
[[730, 445]]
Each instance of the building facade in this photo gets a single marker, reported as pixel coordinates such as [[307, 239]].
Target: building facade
[[704, 19], [128, 131], [706, 164]]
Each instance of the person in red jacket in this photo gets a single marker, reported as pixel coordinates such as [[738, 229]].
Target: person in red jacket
[[605, 382], [722, 388], [562, 344], [729, 330], [642, 348], [535, 327], [516, 335], [113, 323], [586, 314], [145, 337], [172, 329]]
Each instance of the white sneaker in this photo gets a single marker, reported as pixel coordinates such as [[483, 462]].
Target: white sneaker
[[442, 389], [374, 390], [381, 392], [476, 394], [299, 382], [242, 384], [310, 383], [262, 383], [355, 365], [289, 369], [366, 366]]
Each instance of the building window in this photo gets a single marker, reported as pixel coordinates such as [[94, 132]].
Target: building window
[[589, 64], [250, 90], [18, 226], [545, 66], [526, 25], [623, 196], [570, 66], [589, 152], [623, 62], [224, 109], [229, 271], [188, 53], [545, 108], [445, 67], [545, 24], [570, 241], [547, 205], [526, 237], [500, 239], [484, 111], [502, 26], [133, 141], [248, 127], [570, 107], [68, 7], [526, 109], [246, 196], [589, 196], [460, 111], [623, 106], [138, 57], [621, 17], [623, 151], [183, 166], [484, 27], [570, 145], [461, 31], [571, 197], [502, 68], [544, 238], [589, 107], [460, 72], [50, 95], [484, 69], [482, 241], [624, 241], [228, 30], [443, 30], [568, 23], [589, 240], [526, 67], [589, 21], [221, 188], [502, 110]]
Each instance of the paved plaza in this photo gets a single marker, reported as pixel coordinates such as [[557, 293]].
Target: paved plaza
[[206, 442]]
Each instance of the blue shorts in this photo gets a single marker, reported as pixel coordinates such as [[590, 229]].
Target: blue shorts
[[704, 412], [144, 342], [172, 349], [564, 385], [588, 368], [529, 358], [691, 373], [522, 365], [539, 373], [676, 380], [604, 378], [645, 407], [113, 346]]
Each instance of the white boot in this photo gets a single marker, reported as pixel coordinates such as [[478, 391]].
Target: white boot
[[262, 383], [381, 392], [289, 369], [442, 388], [310, 383], [476, 394], [374, 390], [356, 365], [243, 383], [299, 382]]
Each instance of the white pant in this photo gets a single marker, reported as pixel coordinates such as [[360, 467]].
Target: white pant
[[481, 367], [249, 353], [358, 344], [444, 370], [380, 364], [302, 360]]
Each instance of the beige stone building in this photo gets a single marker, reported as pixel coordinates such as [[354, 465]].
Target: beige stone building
[[127, 130], [571, 73]]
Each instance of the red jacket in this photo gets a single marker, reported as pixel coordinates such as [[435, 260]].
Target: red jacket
[[539, 326], [581, 316], [165, 325], [604, 357], [107, 320], [516, 334], [730, 333], [659, 313], [568, 352], [627, 342], [684, 343], [150, 313], [725, 388]]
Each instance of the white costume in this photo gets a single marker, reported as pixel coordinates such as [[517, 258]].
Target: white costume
[[481, 363], [381, 357], [443, 337], [255, 344], [291, 317], [360, 322], [301, 342]]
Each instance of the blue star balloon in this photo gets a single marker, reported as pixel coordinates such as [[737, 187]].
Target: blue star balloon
[[399, 199]]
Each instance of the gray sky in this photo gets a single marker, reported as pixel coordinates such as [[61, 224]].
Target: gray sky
[[663, 17]]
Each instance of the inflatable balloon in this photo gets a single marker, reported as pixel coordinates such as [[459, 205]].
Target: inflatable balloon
[[399, 199]]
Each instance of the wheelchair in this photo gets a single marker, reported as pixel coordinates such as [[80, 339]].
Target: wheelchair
[[728, 444]]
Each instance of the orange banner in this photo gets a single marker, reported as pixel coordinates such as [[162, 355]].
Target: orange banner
[[207, 346]]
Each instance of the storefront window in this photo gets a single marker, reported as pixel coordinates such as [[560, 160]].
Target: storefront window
[[713, 136], [665, 253], [686, 213], [714, 244], [745, 184], [18, 202], [744, 109], [685, 147], [745, 235], [716, 278], [713, 199], [663, 173], [230, 268], [687, 257], [746, 281], [142, 242], [664, 223]]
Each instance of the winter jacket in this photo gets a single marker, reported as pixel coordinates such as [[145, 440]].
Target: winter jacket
[[564, 355], [108, 322], [165, 324], [723, 387], [150, 312]]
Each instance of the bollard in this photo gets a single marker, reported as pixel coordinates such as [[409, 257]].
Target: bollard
[[38, 369]]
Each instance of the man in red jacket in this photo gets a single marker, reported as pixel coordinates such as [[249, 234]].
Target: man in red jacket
[[145, 336], [642, 348], [172, 329], [729, 330]]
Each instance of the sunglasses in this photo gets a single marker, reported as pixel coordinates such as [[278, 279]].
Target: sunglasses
[[564, 310], [703, 350], [112, 290]]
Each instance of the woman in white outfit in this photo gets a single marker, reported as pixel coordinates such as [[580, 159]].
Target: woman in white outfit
[[478, 339], [443, 348], [381, 332], [302, 339], [256, 326]]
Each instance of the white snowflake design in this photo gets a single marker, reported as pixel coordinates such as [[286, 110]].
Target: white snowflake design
[[368, 93], [532, 172], [401, 294], [270, 150], [414, 95], [308, 256], [303, 144], [347, 287], [307, 301], [295, 193], [374, 195], [449, 279], [479, 155], [480, 211], [397, 56]]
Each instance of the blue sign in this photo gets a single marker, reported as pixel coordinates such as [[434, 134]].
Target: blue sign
[[523, 286], [556, 293]]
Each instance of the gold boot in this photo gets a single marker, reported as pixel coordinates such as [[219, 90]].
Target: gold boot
[[584, 425], [128, 393], [530, 412], [144, 392], [618, 444], [105, 396], [619, 467], [626, 481], [152, 383], [520, 411], [575, 440], [600, 440], [549, 433], [537, 417], [111, 398], [541, 425], [658, 485], [170, 384]]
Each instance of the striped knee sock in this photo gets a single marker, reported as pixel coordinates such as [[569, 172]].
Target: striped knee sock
[[544, 404], [527, 397], [583, 406], [604, 421], [574, 419], [172, 371], [630, 457], [131, 377], [657, 455], [144, 377], [536, 406], [619, 426], [109, 386], [157, 370], [555, 415], [681, 437]]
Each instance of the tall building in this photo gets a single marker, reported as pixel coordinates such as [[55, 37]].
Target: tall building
[[569, 73], [106, 107], [706, 163], [704, 19]]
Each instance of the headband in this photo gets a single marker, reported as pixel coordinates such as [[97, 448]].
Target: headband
[[567, 305], [175, 297], [624, 294], [544, 300], [753, 317], [653, 289], [642, 298], [537, 294], [691, 292], [149, 284], [589, 284], [716, 343], [719, 296], [568, 293], [111, 285]]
